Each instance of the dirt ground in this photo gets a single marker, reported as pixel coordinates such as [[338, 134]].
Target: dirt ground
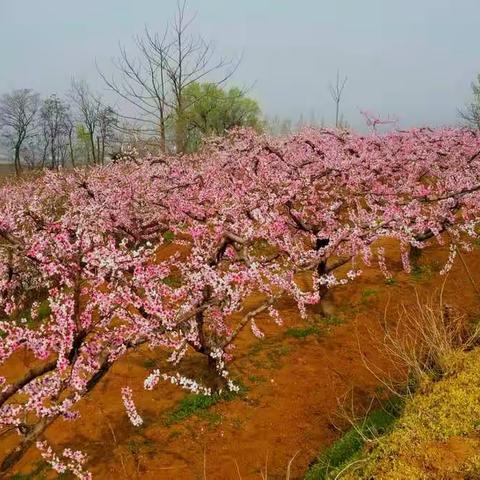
[[294, 388]]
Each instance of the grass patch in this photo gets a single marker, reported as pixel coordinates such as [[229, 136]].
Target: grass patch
[[268, 354], [419, 272], [347, 448], [212, 418], [390, 281], [198, 405], [168, 236], [303, 332], [332, 320], [424, 272], [257, 379], [369, 293]]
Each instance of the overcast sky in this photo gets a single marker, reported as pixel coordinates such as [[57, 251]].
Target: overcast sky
[[413, 59]]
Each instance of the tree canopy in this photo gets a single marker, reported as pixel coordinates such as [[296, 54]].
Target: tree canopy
[[213, 110]]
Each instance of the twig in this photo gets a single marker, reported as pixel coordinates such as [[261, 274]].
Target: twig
[[290, 465]]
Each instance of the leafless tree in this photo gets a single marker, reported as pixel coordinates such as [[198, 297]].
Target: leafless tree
[[336, 92], [142, 83], [70, 133], [17, 119], [34, 151], [55, 120], [107, 125], [471, 113], [88, 106], [155, 82]]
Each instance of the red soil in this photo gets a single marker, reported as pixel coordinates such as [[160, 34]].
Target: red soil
[[295, 387]]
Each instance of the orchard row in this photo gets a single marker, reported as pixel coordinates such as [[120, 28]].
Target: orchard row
[[159, 253]]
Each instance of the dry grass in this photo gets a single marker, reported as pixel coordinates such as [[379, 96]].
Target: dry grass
[[426, 338]]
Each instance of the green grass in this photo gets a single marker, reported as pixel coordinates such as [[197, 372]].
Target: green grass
[[316, 328], [303, 332], [349, 446], [168, 236], [390, 281], [419, 272], [332, 320], [212, 418], [268, 353], [198, 405], [191, 405], [424, 272], [257, 379], [369, 293]]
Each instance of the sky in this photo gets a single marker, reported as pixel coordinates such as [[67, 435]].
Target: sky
[[412, 59]]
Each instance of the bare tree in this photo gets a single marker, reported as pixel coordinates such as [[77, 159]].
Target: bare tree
[[471, 113], [154, 84], [55, 119], [17, 119], [142, 84], [70, 133], [89, 106], [336, 92], [107, 125], [34, 151]]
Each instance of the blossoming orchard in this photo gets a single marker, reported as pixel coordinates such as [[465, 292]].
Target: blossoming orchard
[[161, 252]]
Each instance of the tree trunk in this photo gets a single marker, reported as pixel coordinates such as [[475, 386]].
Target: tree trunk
[[70, 144], [99, 158], [103, 151], [18, 169], [52, 153], [217, 381], [44, 155], [179, 132], [163, 141], [92, 144], [326, 305]]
